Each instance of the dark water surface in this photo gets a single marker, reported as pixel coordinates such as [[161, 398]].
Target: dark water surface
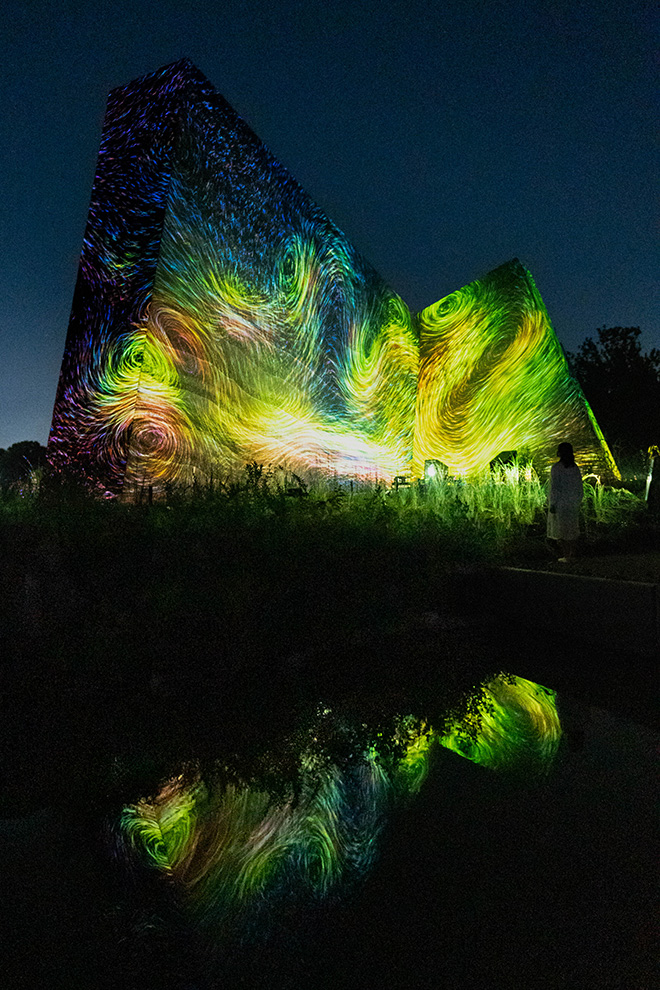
[[484, 881]]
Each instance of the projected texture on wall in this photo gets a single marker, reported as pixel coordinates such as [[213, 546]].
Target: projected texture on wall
[[221, 318], [493, 378]]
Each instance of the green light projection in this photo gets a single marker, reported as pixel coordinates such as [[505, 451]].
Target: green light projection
[[220, 318], [493, 378], [520, 728], [234, 849]]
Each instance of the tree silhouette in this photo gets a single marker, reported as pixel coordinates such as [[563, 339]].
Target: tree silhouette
[[17, 461], [622, 386]]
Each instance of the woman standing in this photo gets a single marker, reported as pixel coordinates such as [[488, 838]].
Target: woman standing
[[564, 499]]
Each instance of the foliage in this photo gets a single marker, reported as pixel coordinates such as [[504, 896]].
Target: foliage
[[20, 460], [622, 384], [615, 507]]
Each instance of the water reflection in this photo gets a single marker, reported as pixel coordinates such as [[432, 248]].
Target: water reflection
[[236, 852]]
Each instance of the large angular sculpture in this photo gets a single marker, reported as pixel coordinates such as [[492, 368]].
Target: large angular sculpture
[[221, 318]]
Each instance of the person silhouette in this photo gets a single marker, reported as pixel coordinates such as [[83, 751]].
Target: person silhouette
[[564, 499]]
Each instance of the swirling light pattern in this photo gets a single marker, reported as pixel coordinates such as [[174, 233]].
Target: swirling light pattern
[[234, 851], [221, 318], [493, 378], [520, 728], [99, 380]]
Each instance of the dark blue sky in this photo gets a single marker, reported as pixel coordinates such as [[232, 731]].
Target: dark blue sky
[[443, 138]]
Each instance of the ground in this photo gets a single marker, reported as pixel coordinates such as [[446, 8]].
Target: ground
[[620, 567]]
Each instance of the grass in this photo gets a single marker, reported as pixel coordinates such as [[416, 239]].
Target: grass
[[210, 624], [206, 628]]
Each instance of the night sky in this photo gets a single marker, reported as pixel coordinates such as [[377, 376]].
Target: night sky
[[443, 138]]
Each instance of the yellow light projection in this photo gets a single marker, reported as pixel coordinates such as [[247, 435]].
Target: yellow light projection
[[220, 318], [493, 378]]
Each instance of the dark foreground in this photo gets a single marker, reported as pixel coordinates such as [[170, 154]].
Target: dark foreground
[[122, 642], [483, 882]]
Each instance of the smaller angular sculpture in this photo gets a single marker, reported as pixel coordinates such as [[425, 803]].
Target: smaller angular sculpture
[[493, 378]]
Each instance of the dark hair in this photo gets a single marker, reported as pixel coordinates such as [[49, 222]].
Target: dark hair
[[565, 454]]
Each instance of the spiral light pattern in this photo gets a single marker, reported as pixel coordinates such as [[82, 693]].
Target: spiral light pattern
[[234, 851], [493, 378], [221, 318]]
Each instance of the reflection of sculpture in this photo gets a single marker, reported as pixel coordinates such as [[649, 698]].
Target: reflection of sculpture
[[220, 317], [235, 852]]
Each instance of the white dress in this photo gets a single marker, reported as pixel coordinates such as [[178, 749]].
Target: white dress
[[565, 495]]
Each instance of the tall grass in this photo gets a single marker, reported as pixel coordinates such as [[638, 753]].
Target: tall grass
[[478, 517], [609, 507], [228, 610]]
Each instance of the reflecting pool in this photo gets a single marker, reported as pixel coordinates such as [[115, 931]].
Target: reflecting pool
[[236, 855]]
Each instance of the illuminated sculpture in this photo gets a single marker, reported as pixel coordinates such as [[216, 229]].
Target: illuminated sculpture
[[221, 318], [493, 378]]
